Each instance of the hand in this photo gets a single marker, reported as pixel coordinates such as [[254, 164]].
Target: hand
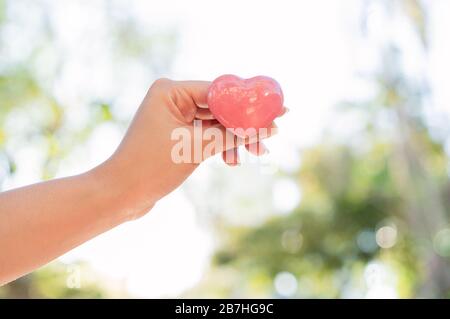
[[42, 221], [143, 166]]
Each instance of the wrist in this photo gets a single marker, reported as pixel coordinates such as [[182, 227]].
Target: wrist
[[120, 193]]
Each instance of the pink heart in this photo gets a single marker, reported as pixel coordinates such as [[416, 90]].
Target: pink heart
[[245, 103]]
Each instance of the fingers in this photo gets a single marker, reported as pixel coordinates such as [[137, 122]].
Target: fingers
[[204, 114], [197, 90], [183, 98], [251, 135], [217, 139], [231, 157], [257, 148], [252, 139], [189, 98], [284, 111], [188, 101]]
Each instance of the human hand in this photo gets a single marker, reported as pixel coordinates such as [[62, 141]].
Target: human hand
[[144, 167]]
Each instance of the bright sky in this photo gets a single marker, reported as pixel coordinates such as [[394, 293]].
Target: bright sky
[[310, 47]]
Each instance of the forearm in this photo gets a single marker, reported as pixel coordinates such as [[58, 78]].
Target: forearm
[[41, 222]]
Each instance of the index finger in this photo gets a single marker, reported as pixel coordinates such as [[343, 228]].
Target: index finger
[[197, 90]]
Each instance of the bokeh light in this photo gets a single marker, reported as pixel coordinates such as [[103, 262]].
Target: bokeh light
[[442, 242], [366, 241], [285, 284], [386, 236]]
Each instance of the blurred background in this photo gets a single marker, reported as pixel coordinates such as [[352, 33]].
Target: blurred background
[[352, 201]]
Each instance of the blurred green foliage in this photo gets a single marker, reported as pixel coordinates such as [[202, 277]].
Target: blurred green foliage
[[53, 281]]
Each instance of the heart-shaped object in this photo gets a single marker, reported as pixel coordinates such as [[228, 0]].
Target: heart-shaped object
[[245, 103]]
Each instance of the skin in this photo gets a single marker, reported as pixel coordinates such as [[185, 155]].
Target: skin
[[40, 222]]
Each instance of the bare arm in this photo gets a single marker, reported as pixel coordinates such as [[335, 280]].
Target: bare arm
[[40, 222]]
